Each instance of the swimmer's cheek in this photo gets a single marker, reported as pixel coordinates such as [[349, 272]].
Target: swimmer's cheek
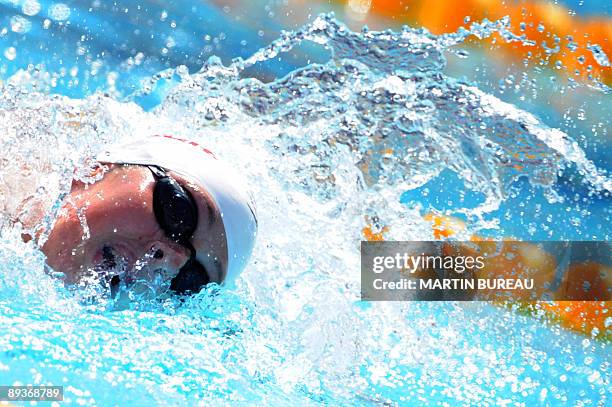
[[64, 247], [66, 262], [67, 230]]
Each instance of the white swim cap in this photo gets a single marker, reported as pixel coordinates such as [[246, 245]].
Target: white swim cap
[[227, 188]]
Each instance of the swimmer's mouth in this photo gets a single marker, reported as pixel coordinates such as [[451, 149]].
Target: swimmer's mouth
[[114, 272], [114, 285], [113, 268]]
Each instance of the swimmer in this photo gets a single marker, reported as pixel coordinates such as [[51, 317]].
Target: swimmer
[[164, 211]]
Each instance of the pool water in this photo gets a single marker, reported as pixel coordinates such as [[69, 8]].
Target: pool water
[[376, 133]]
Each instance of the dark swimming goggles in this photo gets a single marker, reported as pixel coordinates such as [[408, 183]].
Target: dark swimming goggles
[[177, 215]]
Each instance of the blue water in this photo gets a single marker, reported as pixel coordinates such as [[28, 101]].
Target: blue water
[[314, 140]]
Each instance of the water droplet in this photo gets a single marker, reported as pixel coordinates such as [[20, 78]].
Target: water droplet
[[20, 24], [30, 7], [10, 53], [599, 55], [593, 377], [59, 12], [359, 6]]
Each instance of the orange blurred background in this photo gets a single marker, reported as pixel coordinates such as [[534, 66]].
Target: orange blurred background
[[562, 39]]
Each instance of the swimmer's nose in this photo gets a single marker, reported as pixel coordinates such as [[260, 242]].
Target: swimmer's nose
[[167, 256]]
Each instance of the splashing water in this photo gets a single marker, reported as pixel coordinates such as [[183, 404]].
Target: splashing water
[[328, 149], [599, 55]]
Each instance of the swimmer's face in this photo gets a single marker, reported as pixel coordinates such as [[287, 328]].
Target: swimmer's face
[[108, 229]]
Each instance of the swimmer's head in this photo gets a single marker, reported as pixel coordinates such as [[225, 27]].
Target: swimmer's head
[[165, 210]]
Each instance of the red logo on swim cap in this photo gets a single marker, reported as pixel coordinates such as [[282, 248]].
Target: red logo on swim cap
[[190, 142]]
